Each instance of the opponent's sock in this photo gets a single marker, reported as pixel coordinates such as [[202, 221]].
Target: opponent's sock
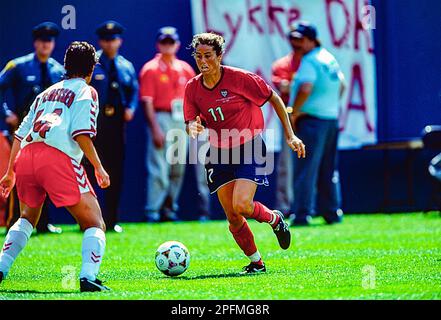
[[94, 243], [16, 239], [245, 239], [263, 214]]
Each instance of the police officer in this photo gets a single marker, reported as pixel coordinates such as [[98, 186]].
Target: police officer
[[26, 77], [116, 82]]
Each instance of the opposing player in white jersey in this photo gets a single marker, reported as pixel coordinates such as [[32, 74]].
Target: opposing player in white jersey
[[45, 159]]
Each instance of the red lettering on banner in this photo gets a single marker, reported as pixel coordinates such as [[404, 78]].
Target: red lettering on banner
[[357, 79], [272, 10], [234, 29], [251, 18], [257, 18], [360, 28], [206, 22], [293, 15], [336, 40]]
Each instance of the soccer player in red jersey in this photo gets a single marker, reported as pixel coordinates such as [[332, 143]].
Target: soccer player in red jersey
[[228, 100], [45, 159]]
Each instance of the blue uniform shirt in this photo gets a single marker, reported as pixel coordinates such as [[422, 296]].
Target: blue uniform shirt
[[321, 69], [23, 76], [127, 81]]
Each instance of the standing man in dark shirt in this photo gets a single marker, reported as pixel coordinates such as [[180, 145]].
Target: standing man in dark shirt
[[116, 82], [26, 77]]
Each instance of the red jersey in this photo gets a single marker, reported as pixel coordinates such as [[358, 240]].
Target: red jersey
[[231, 109], [163, 82], [284, 69]]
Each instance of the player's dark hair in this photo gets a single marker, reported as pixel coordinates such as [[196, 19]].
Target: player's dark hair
[[210, 39], [80, 59]]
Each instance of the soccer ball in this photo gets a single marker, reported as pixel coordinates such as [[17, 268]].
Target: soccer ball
[[172, 258]]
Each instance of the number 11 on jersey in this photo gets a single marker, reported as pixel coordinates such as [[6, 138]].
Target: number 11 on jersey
[[213, 113]]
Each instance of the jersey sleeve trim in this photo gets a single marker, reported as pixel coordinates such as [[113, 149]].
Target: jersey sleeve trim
[[90, 132], [267, 99]]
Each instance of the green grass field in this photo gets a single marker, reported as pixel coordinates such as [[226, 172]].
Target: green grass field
[[366, 257]]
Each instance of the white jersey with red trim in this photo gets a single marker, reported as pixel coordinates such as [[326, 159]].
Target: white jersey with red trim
[[59, 114]]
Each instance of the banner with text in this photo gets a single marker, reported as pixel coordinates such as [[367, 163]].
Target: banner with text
[[255, 34]]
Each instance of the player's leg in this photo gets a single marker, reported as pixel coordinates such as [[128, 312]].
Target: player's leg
[[17, 237], [240, 229], [244, 204], [31, 195], [88, 215]]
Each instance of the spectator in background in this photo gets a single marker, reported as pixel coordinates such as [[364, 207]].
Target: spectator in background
[[26, 77], [283, 71], [116, 82], [315, 96], [162, 82]]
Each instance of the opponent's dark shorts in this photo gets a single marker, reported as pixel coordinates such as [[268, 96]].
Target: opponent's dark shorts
[[247, 161]]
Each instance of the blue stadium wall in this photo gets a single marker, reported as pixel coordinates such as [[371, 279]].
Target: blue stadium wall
[[409, 92]]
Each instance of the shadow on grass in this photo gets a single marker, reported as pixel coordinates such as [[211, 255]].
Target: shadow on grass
[[35, 292], [216, 276]]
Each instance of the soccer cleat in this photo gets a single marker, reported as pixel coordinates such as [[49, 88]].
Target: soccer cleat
[[87, 285], [282, 231], [253, 268], [1, 277]]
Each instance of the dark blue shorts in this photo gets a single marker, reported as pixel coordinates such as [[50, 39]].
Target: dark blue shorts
[[247, 161]]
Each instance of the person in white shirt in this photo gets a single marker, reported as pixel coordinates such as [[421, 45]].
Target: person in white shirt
[[45, 159], [315, 100]]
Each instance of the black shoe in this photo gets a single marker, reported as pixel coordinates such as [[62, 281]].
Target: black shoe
[[282, 231], [335, 217], [253, 268], [1, 277], [87, 285]]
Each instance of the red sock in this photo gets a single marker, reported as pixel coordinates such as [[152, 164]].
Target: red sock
[[244, 238], [263, 214]]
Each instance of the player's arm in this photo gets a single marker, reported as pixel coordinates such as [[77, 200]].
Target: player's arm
[[86, 145], [293, 141], [8, 181]]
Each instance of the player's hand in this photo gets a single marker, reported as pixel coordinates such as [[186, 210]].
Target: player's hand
[[158, 138], [297, 145], [195, 128], [7, 184], [128, 115], [102, 177]]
